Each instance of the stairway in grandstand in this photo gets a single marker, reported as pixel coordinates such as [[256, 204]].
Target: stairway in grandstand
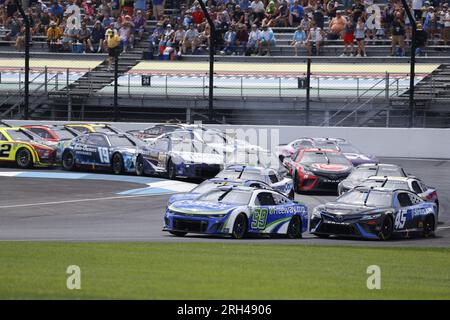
[[434, 86]]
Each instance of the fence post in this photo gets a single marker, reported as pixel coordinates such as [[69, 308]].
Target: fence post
[[69, 107], [387, 87], [45, 80], [128, 85], [357, 89], [279, 87], [166, 85], [242, 87], [308, 90]]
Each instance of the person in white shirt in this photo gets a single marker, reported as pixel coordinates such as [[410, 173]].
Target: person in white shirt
[[417, 8], [253, 37], [314, 39]]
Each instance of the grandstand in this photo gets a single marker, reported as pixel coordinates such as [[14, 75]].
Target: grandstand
[[349, 90]]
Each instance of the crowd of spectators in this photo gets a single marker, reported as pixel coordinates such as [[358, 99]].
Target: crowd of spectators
[[243, 27]]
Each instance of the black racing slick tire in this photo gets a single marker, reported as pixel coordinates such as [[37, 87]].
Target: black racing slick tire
[[117, 163], [171, 170], [68, 161], [428, 226], [140, 165], [239, 227], [387, 228], [295, 228], [24, 159], [178, 233]]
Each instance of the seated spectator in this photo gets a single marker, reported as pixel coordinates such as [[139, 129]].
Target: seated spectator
[[84, 37], [57, 10], [70, 36], [20, 38], [299, 39], [238, 15], [314, 40], [178, 38], [282, 18], [446, 25], [54, 34], [126, 35], [229, 41], [139, 24], [156, 36], [337, 26], [44, 22], [258, 11], [190, 39], [270, 14], [253, 38], [296, 14], [266, 41], [241, 38], [97, 36], [107, 21]]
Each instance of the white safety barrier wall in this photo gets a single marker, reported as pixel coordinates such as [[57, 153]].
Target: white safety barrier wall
[[383, 142]]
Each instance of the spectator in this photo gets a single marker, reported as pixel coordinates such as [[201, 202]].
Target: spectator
[[270, 14], [253, 38], [282, 18], [398, 36], [54, 34], [139, 24], [229, 41], [113, 44], [190, 39], [446, 25], [126, 34], [349, 38], [156, 36], [417, 8], [296, 14], [299, 39], [178, 38], [337, 26], [140, 5], [97, 36], [360, 35], [266, 41], [198, 17], [158, 8], [57, 10], [314, 40], [70, 36], [84, 36], [241, 38], [258, 11], [420, 40], [430, 21]]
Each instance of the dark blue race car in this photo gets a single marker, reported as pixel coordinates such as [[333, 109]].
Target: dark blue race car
[[100, 151], [375, 213]]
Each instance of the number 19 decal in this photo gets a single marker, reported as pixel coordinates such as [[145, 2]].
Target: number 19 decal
[[259, 218], [104, 155]]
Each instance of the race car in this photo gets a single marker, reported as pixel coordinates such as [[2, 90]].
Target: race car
[[174, 155], [93, 127], [375, 213], [364, 171], [55, 133], [25, 149], [213, 183], [355, 155], [288, 150], [317, 169], [150, 133], [237, 211], [407, 183], [267, 175], [100, 151]]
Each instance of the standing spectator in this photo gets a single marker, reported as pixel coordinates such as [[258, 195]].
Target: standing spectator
[[54, 34], [296, 13], [357, 10], [198, 17], [84, 36], [266, 41], [349, 37], [337, 26], [398, 35], [97, 36], [190, 39], [430, 21], [420, 40], [360, 35], [299, 39], [113, 44], [389, 14], [253, 37], [158, 8], [417, 8]]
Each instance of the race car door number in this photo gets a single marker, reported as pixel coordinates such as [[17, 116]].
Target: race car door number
[[5, 149], [259, 218]]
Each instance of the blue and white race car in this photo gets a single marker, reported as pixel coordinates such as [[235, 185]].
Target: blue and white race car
[[213, 183], [375, 213], [268, 175], [237, 211], [100, 151]]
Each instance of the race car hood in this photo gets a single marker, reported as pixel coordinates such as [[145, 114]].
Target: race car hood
[[193, 157], [327, 168], [336, 208], [201, 207], [183, 196]]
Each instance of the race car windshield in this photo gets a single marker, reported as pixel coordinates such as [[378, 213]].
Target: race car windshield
[[324, 158], [348, 148], [238, 174], [64, 134], [390, 171], [302, 144], [362, 174], [121, 141], [336, 158], [105, 130], [204, 187], [370, 198], [20, 135], [326, 145], [233, 196]]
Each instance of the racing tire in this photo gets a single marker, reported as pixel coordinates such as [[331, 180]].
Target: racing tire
[[387, 228], [322, 236], [294, 228], [178, 233], [117, 163], [428, 227], [140, 166], [24, 159], [68, 161], [239, 227], [171, 170]]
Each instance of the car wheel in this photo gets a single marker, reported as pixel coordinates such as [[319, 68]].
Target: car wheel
[[140, 166], [117, 163], [24, 159], [178, 233], [68, 161], [239, 227], [295, 228], [171, 170], [428, 226], [387, 228]]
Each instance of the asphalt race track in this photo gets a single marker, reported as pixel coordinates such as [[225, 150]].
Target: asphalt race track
[[109, 210]]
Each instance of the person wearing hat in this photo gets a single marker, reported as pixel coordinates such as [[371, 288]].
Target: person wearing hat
[[98, 36], [112, 40], [54, 34], [430, 21], [299, 39], [266, 40], [420, 40], [190, 40], [296, 13], [398, 35], [337, 26]]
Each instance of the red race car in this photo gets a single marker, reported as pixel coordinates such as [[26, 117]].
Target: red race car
[[54, 133], [317, 169]]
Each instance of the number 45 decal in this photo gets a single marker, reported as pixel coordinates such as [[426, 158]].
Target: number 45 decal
[[400, 219], [259, 218]]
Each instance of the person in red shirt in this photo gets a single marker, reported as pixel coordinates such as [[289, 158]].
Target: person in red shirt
[[197, 15]]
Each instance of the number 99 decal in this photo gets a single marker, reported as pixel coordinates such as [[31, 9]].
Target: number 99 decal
[[259, 218]]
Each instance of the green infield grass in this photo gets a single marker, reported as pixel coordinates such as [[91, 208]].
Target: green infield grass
[[37, 270]]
